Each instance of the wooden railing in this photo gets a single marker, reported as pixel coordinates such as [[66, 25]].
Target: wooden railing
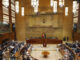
[[71, 51], [6, 36], [75, 56]]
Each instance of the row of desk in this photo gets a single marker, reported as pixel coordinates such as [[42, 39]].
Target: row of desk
[[75, 56]]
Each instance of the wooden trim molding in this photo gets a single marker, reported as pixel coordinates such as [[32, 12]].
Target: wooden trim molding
[[1, 11]]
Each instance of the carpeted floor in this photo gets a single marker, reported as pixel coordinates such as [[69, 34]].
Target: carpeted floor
[[52, 49]]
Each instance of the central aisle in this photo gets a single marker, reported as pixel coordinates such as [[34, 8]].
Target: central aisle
[[53, 50]]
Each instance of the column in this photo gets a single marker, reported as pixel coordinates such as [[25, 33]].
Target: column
[[20, 25]]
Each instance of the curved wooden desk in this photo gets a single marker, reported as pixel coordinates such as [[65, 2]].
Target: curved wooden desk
[[44, 41], [75, 56]]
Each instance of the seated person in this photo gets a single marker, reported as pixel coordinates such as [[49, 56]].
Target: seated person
[[28, 58], [1, 53]]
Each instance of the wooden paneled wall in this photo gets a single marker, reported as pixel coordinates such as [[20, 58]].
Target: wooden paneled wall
[[76, 35], [6, 37], [79, 19], [44, 6]]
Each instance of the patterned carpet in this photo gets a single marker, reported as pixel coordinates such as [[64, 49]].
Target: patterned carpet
[[52, 49]]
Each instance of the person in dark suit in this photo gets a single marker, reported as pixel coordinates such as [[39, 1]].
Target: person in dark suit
[[64, 39], [44, 35], [28, 58], [67, 38], [12, 52], [1, 54]]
